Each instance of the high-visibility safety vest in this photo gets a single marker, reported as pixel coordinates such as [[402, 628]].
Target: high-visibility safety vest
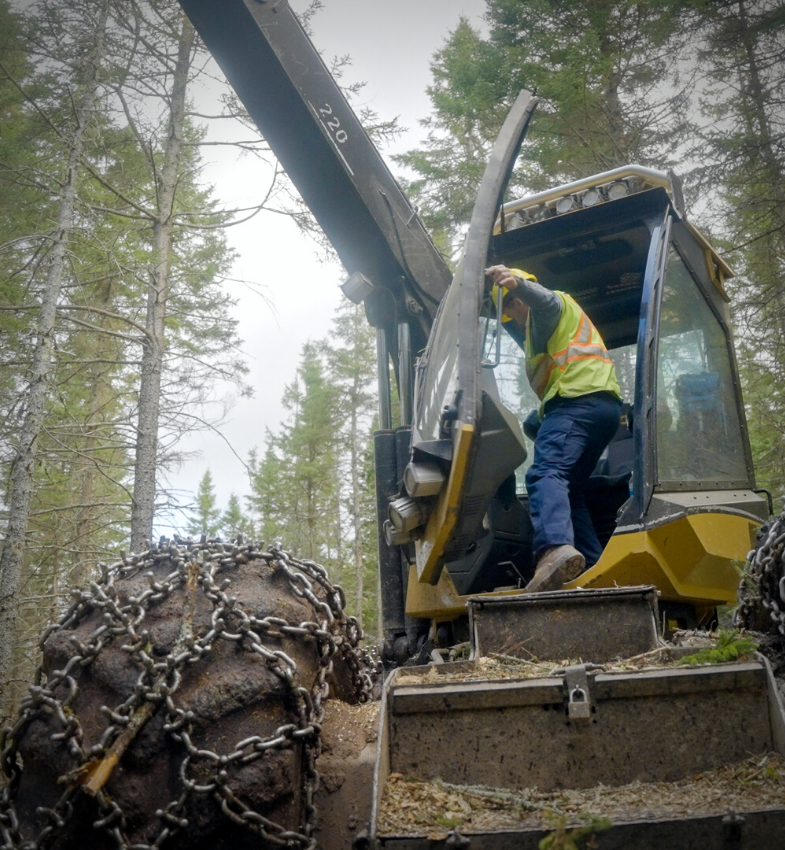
[[576, 361]]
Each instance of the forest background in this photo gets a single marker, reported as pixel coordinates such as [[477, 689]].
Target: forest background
[[117, 335]]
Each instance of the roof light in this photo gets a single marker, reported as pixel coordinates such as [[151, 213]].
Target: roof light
[[590, 198], [565, 204], [617, 190]]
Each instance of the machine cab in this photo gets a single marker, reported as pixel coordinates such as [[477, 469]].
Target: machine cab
[[673, 497]]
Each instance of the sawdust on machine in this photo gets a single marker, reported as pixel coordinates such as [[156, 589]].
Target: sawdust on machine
[[413, 807], [495, 666]]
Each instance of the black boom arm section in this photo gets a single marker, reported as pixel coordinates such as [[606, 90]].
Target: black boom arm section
[[290, 94]]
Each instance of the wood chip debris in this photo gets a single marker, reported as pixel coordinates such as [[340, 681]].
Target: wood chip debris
[[346, 729], [495, 666], [413, 807]]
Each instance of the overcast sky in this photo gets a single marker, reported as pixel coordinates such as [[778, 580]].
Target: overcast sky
[[391, 45]]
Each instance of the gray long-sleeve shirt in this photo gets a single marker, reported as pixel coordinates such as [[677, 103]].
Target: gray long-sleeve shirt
[[545, 311]]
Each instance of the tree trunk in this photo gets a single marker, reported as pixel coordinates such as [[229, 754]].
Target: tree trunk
[[12, 558], [143, 507]]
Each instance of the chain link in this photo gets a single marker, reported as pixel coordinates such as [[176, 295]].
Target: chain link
[[332, 632], [763, 580]]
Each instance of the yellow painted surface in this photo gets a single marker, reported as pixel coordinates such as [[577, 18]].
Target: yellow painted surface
[[430, 547], [440, 601], [693, 559]]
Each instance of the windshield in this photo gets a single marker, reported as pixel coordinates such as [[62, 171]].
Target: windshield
[[698, 430]]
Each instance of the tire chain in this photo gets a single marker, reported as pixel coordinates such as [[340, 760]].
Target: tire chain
[[763, 581], [332, 631]]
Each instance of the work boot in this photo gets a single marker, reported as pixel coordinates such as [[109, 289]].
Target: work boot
[[556, 567]]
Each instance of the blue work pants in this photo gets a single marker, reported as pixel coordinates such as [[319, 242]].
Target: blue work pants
[[569, 443]]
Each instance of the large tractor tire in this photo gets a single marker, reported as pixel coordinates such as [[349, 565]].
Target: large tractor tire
[[179, 705], [762, 590], [761, 607]]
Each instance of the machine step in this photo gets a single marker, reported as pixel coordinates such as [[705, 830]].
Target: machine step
[[551, 728], [590, 625]]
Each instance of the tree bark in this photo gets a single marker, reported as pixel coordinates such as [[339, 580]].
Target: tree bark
[[143, 506], [12, 557]]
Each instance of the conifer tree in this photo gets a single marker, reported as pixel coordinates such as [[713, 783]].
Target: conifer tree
[[21, 491], [607, 76], [296, 482], [233, 521], [206, 519], [78, 488], [743, 171], [352, 366]]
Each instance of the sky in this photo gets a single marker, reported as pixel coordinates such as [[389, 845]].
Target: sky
[[391, 46]]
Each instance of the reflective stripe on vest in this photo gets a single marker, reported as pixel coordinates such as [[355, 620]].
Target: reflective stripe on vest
[[575, 363]]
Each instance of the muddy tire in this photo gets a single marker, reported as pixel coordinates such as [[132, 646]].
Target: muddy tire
[[761, 604], [180, 704]]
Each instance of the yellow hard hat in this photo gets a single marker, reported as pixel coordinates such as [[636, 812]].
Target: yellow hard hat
[[495, 289], [495, 299]]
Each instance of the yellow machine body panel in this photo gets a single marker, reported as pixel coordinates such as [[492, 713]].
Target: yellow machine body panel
[[694, 558], [430, 547]]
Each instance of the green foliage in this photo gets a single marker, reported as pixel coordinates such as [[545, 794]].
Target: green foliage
[[448, 823], [233, 521], [295, 484], [731, 645], [312, 489], [609, 87], [82, 475], [350, 357], [206, 519], [741, 52]]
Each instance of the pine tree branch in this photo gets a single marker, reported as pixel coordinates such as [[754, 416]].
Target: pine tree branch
[[82, 159], [101, 330], [256, 210], [108, 314]]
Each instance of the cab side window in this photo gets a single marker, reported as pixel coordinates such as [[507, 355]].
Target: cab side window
[[698, 431]]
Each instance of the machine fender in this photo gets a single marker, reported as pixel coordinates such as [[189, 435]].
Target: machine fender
[[693, 558]]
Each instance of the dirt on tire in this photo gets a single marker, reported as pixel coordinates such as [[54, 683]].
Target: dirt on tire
[[210, 793]]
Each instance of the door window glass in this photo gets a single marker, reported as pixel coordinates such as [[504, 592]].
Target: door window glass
[[512, 385], [624, 358], [437, 384], [516, 394], [698, 430]]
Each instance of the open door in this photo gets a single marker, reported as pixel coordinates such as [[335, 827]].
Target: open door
[[459, 426]]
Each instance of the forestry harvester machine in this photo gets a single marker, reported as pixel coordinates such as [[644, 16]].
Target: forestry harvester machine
[[673, 500]]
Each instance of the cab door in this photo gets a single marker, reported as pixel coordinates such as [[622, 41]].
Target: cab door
[[457, 425], [693, 511]]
